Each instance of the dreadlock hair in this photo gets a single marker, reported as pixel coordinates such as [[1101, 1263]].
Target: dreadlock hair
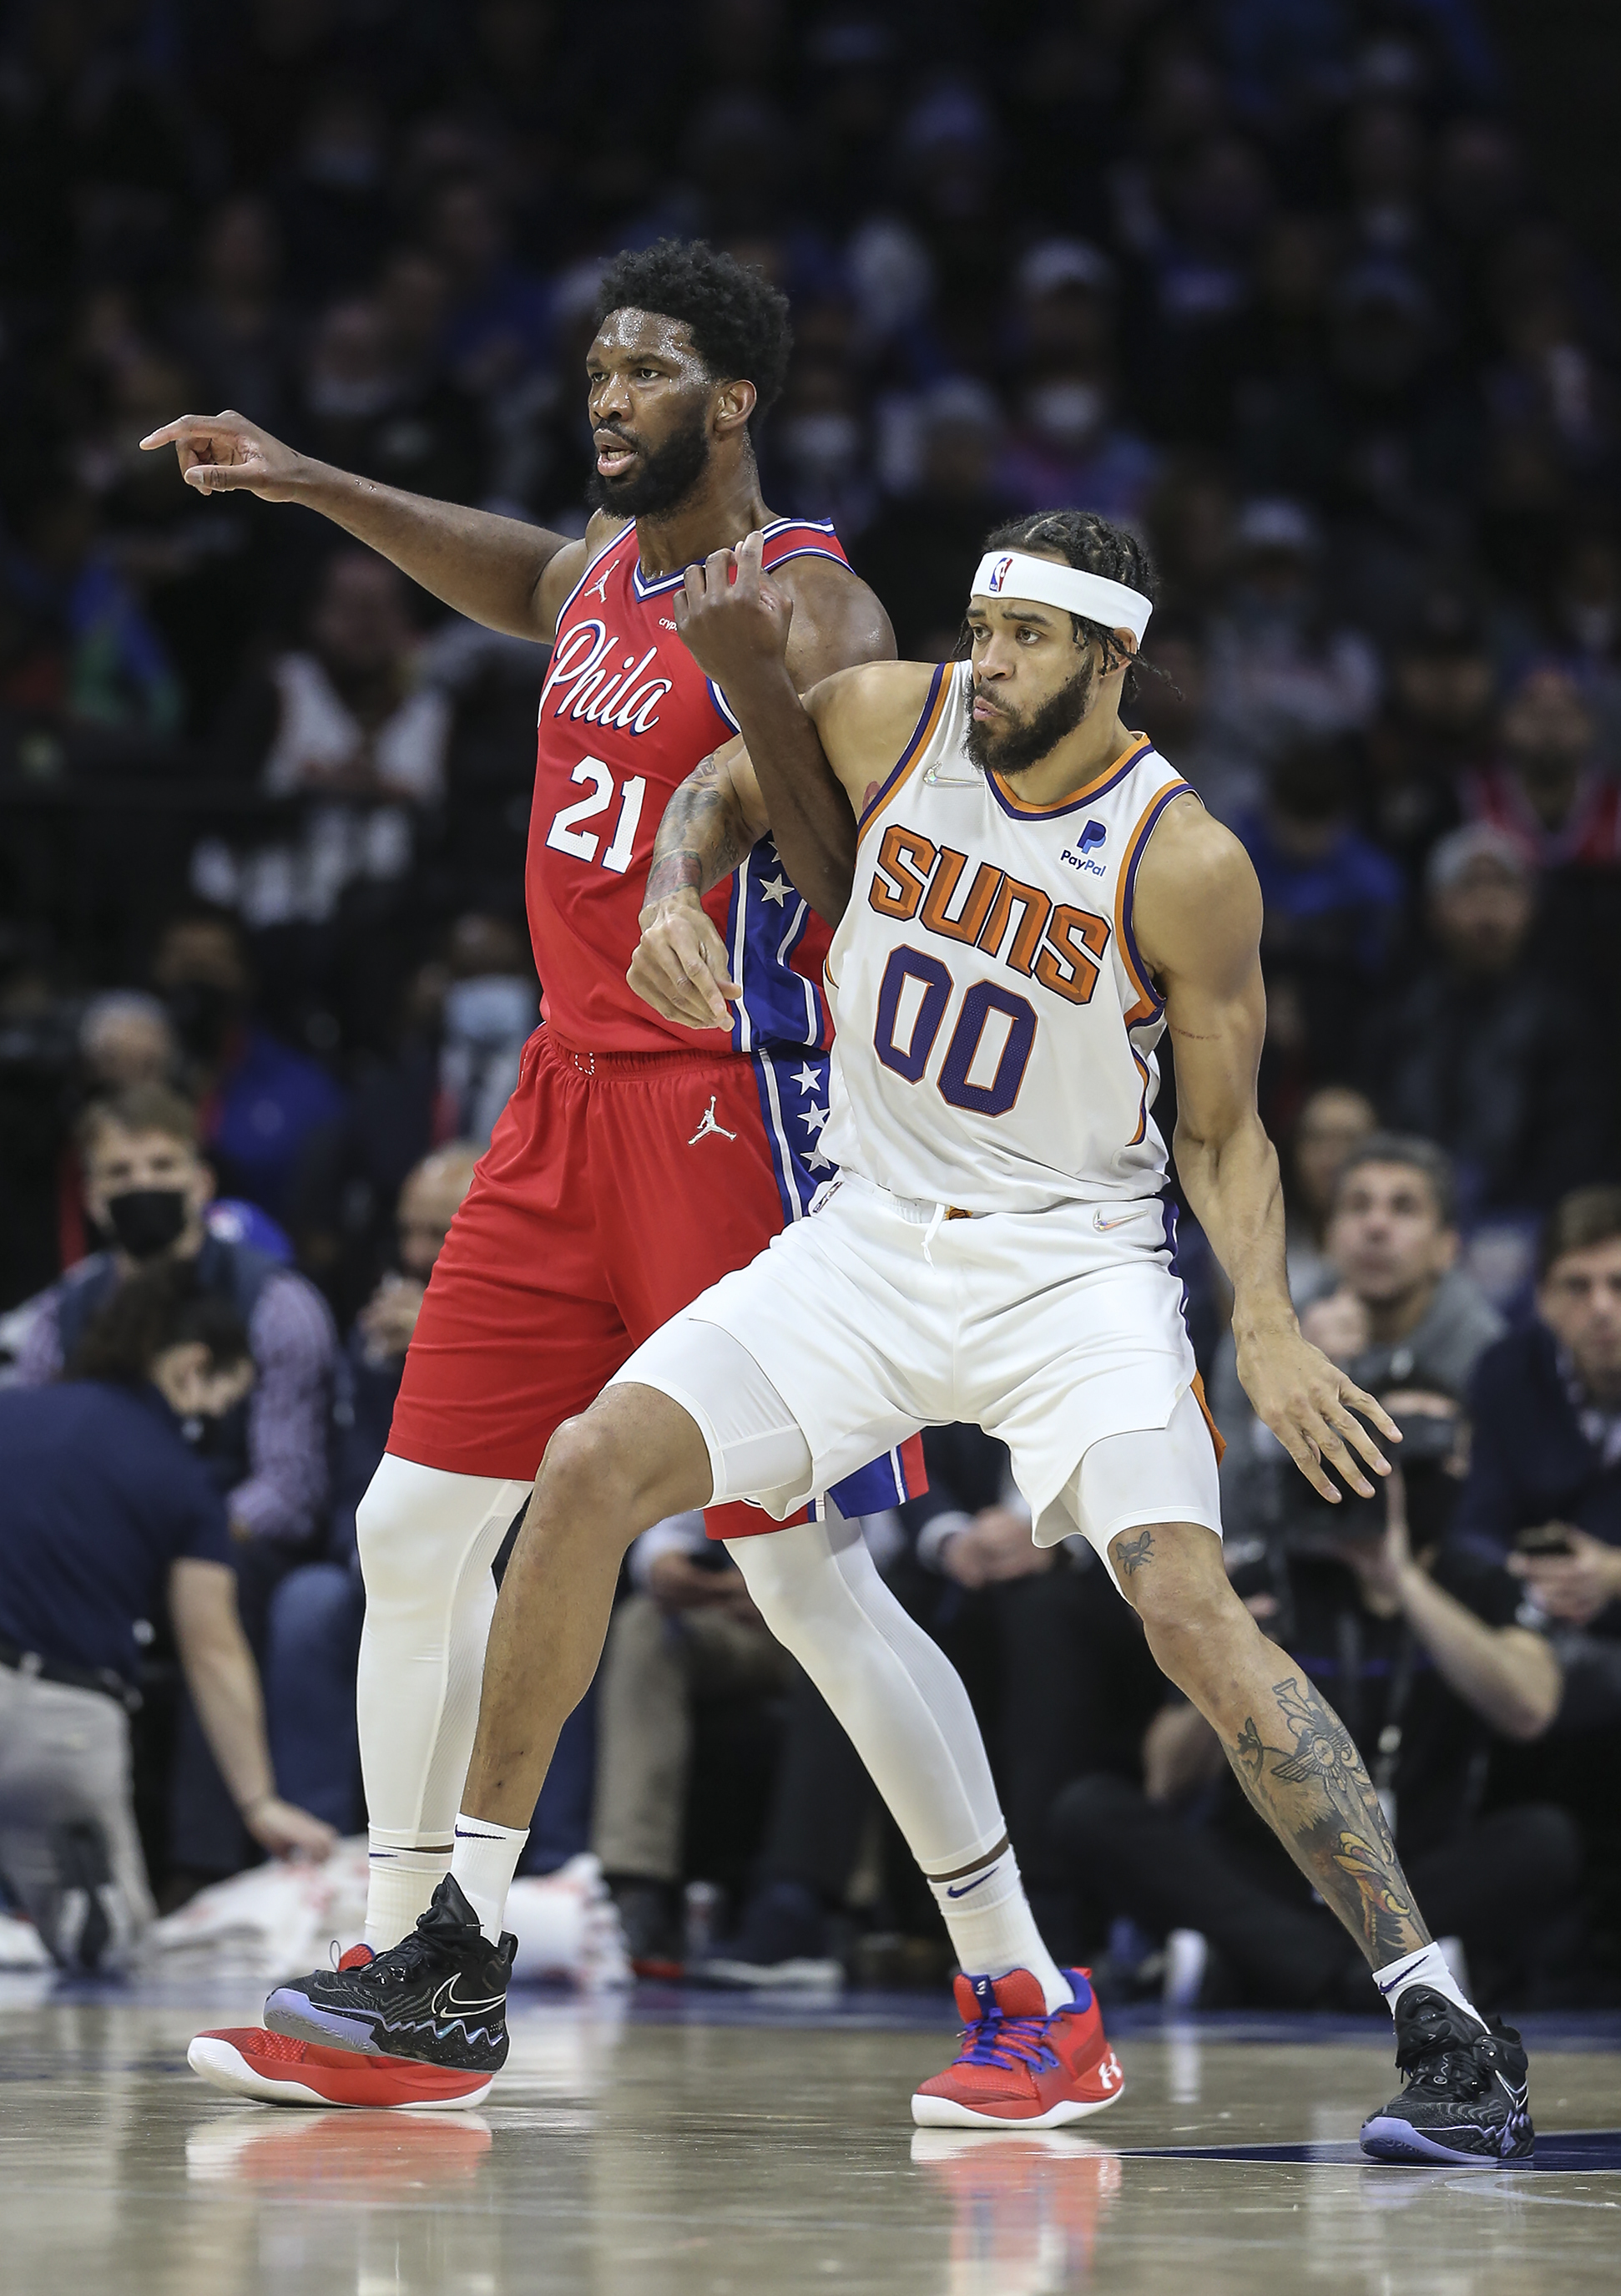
[[737, 319], [1082, 539], [165, 1307]]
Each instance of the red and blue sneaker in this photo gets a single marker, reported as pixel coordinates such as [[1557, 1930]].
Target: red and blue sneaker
[[1021, 2066]]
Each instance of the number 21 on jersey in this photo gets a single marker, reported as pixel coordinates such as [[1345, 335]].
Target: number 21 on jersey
[[566, 834]]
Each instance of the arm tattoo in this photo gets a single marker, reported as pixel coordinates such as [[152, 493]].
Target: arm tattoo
[[1317, 1796], [1132, 1554], [702, 837]]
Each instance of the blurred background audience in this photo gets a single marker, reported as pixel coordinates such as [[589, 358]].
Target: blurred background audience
[[1308, 296]]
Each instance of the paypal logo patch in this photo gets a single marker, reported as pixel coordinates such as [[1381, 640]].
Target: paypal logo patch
[[1079, 854]]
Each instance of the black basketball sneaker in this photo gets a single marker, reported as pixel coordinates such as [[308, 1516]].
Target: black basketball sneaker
[[1466, 2098], [439, 1995]]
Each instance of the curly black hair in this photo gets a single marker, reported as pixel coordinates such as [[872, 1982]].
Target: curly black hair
[[1096, 546], [737, 319]]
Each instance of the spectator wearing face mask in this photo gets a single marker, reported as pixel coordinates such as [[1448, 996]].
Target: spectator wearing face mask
[[263, 1106], [147, 1187], [106, 1516]]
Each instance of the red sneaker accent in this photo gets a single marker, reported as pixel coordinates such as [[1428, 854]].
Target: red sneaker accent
[[247, 2061], [1019, 2067], [357, 1957]]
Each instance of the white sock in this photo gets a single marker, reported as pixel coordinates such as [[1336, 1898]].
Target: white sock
[[1428, 1967], [993, 1929], [399, 1882], [482, 1866]]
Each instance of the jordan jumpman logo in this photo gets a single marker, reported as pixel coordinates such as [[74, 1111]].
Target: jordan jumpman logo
[[708, 1124]]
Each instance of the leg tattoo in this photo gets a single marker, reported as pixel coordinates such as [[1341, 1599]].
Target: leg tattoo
[[1318, 1799], [1130, 1553]]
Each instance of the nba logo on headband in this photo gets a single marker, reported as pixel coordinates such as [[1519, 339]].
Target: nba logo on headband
[[999, 574]]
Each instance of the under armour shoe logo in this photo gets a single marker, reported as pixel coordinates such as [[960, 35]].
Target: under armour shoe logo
[[709, 1123]]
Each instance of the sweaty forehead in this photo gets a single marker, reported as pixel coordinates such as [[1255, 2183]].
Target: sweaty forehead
[[626, 332]]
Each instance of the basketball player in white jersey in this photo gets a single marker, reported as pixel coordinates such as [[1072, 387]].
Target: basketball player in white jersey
[[1037, 897]]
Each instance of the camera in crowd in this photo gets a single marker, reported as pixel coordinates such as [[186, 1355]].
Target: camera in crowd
[[1432, 1456]]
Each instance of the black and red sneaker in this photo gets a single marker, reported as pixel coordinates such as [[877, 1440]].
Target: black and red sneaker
[[439, 1996], [247, 2061]]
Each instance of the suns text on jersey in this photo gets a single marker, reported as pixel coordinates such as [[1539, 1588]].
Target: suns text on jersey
[[1059, 946]]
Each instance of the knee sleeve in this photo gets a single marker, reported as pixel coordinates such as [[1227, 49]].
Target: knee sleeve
[[898, 1696], [427, 1540]]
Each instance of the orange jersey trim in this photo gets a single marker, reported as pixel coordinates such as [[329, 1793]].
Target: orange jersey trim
[[922, 733], [1138, 747], [1147, 1004], [1216, 1437]]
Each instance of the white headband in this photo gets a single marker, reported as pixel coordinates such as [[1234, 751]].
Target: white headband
[[1014, 574]]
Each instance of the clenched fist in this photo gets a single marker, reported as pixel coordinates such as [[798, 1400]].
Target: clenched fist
[[732, 618]]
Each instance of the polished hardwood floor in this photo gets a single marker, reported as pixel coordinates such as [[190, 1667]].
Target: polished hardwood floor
[[693, 2145]]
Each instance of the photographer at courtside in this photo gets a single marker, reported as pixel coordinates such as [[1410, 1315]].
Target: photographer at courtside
[[106, 1514], [1426, 1650]]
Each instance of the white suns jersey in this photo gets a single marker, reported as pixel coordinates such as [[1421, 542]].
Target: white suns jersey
[[994, 1025]]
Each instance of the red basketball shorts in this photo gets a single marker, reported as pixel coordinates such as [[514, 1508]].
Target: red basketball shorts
[[616, 1187]]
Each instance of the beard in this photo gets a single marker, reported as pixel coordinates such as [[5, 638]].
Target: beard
[[1018, 742], [662, 478]]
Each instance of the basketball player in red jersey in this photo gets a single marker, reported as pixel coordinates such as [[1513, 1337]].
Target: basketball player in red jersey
[[635, 1163]]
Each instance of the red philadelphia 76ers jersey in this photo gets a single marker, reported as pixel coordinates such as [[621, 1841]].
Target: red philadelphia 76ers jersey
[[626, 714]]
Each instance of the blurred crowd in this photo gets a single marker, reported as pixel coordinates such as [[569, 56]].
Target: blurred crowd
[[1272, 283]]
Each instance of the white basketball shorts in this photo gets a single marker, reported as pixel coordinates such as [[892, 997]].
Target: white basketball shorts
[[1060, 1332]]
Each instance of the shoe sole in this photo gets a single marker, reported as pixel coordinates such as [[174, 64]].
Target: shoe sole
[[1383, 2138], [946, 2112], [332, 2076]]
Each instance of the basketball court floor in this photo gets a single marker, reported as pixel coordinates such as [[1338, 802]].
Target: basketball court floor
[[683, 2145]]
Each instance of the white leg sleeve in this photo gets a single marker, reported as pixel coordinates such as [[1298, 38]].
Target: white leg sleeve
[[895, 1690], [427, 1541]]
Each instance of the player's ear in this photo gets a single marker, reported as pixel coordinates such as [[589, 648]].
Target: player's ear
[[734, 403]]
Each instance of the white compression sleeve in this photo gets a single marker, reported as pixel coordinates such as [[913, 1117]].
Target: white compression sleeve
[[427, 1541], [895, 1690]]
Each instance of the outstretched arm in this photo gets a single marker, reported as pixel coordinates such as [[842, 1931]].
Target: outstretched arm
[[498, 571], [764, 640], [1198, 920]]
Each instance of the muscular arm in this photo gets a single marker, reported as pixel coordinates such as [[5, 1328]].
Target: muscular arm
[[496, 571], [1198, 919], [764, 640], [859, 720]]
